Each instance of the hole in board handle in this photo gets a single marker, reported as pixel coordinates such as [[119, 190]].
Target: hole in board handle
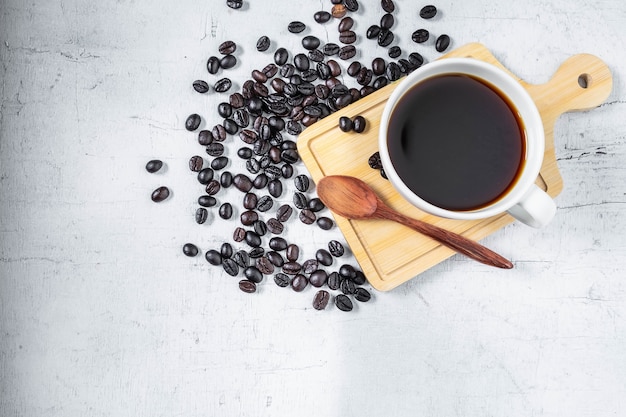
[[584, 80]]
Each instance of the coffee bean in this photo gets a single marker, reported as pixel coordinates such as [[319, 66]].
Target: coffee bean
[[352, 5], [320, 300], [213, 65], [416, 59], [222, 85], [292, 268], [224, 109], [282, 280], [234, 4], [442, 43], [335, 248], [226, 179], [284, 213], [254, 273], [345, 124], [299, 200], [324, 257], [263, 44], [193, 122], [215, 149], [382, 174], [372, 32], [385, 37], [333, 281], [226, 250], [405, 66], [201, 215], [205, 137], [359, 278], [310, 42], [253, 239], [280, 56], [264, 265], [239, 234], [247, 286], [387, 21], [242, 182], [428, 12], [249, 201], [231, 267], [296, 27], [322, 16], [227, 62], [227, 47], [347, 37], [394, 51], [302, 183], [362, 295], [275, 258], [293, 252], [286, 170], [318, 278], [189, 249], [207, 201], [347, 286], [244, 153], [200, 86], [359, 124], [256, 252], [325, 223], [393, 71], [378, 66], [388, 6], [380, 82], [347, 52], [248, 217], [343, 303], [275, 226], [213, 257], [213, 187], [160, 194], [195, 163], [278, 244], [309, 266], [364, 77], [265, 203], [154, 165], [219, 163], [242, 258], [219, 133], [347, 271], [315, 205], [299, 283], [374, 161], [345, 24], [315, 55], [290, 156], [420, 36], [301, 62], [226, 211], [275, 188], [338, 11]]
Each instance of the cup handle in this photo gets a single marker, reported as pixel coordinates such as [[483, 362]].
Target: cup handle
[[536, 208]]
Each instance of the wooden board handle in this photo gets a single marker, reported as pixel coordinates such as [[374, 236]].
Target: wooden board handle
[[582, 82]]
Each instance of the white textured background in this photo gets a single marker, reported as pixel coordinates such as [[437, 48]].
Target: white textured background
[[102, 315]]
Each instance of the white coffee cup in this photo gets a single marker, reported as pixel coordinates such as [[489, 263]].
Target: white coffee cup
[[524, 200]]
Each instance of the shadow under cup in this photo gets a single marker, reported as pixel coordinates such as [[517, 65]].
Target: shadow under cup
[[461, 139]]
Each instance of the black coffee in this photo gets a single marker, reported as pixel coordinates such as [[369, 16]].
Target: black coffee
[[457, 143]]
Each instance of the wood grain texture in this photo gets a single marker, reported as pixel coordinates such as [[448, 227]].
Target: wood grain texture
[[391, 254]]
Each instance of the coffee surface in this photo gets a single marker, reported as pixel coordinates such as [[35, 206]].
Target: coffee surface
[[456, 142]]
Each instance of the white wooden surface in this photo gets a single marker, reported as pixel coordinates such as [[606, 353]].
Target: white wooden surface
[[102, 315]]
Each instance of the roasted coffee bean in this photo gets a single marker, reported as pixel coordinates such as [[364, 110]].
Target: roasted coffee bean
[[284, 213], [324, 257], [405, 66], [374, 161], [205, 175], [322, 16], [420, 36], [253, 239], [248, 136], [226, 211], [213, 187], [291, 268], [315, 205], [226, 250], [227, 47], [428, 12], [242, 258], [367, 90], [351, 5], [230, 126], [244, 153], [299, 282], [378, 66], [264, 265], [347, 286], [333, 281], [321, 299], [290, 156], [265, 203], [249, 201], [416, 59], [282, 280], [301, 62], [347, 37], [286, 170], [302, 183], [385, 37], [338, 11], [278, 243], [387, 21], [224, 109], [318, 278], [364, 77], [223, 85], [372, 32], [275, 258], [345, 124], [362, 295], [382, 174], [296, 27], [201, 215], [261, 147], [226, 179], [335, 68], [195, 163], [293, 252], [213, 257], [325, 223], [347, 271], [281, 56], [307, 216], [246, 285], [359, 124], [359, 278], [343, 101], [299, 200], [239, 234], [345, 24], [388, 5], [201, 86], [393, 71], [207, 201], [380, 82], [259, 76], [269, 70], [263, 44], [272, 171], [275, 188], [394, 51], [205, 137], [219, 133], [248, 217], [335, 248], [231, 267], [442, 43], [253, 166], [343, 303], [315, 55], [227, 62], [215, 149], [234, 4], [253, 274], [309, 266], [256, 252], [189, 249], [310, 42], [219, 163], [213, 65], [347, 52], [154, 165], [275, 226], [193, 122]]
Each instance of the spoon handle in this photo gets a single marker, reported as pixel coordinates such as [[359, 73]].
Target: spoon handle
[[450, 239]]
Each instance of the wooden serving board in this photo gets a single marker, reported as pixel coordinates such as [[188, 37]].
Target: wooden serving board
[[391, 254]]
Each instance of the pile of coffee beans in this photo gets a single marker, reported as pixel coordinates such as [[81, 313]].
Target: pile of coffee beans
[[260, 123]]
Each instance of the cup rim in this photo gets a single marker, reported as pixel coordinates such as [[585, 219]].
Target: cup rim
[[519, 97]]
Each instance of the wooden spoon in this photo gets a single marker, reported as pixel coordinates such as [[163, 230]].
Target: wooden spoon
[[353, 199]]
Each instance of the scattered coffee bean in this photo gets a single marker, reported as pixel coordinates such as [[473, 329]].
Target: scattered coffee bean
[[219, 163], [359, 124], [347, 287], [345, 24], [227, 62], [202, 215], [333, 281], [374, 161], [265, 203], [394, 52], [318, 278], [247, 286], [231, 267], [226, 211], [263, 44], [226, 250], [213, 65], [372, 32], [299, 200], [338, 11], [352, 5], [253, 239], [292, 268], [420, 36], [385, 37], [387, 21], [189, 249], [213, 187], [324, 257], [416, 59], [205, 137], [239, 234], [195, 163], [278, 244], [223, 85], [275, 258], [293, 252], [242, 182], [160, 194], [315, 205], [226, 179], [359, 278], [282, 280], [442, 43], [296, 27], [325, 223], [207, 201], [347, 37], [284, 213], [345, 124], [388, 6], [193, 122], [248, 217], [320, 300], [362, 295], [428, 12], [256, 252], [322, 16], [299, 282], [275, 226], [309, 266], [347, 52], [275, 188], [310, 42], [335, 248], [154, 165], [343, 303], [201, 86], [264, 265], [213, 257], [307, 216], [227, 47]]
